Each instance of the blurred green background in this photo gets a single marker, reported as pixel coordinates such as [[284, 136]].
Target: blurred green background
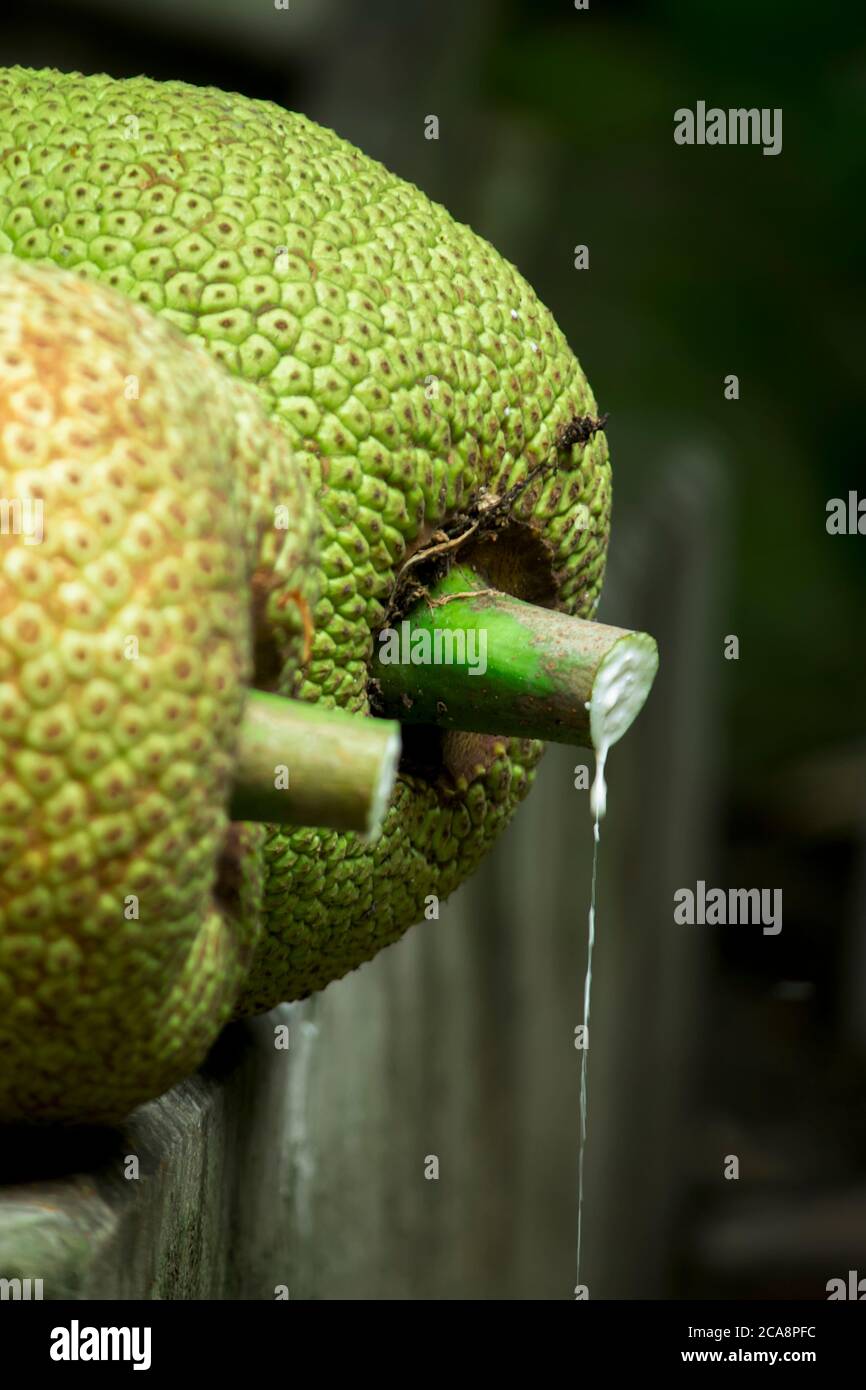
[[556, 129]]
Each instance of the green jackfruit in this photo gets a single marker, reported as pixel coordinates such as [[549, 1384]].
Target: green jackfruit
[[412, 371]]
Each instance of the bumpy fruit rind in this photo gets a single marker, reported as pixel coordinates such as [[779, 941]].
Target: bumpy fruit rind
[[139, 481], [410, 367]]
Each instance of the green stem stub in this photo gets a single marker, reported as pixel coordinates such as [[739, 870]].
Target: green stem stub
[[472, 658]]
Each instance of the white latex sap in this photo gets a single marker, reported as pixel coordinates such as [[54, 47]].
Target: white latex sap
[[622, 683]]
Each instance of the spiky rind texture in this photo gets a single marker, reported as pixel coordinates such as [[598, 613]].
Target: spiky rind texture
[[408, 364], [137, 479]]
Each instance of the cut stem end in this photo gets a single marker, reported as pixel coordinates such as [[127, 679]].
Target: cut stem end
[[471, 658], [300, 764]]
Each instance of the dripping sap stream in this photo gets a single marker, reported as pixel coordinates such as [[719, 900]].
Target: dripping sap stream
[[598, 806]]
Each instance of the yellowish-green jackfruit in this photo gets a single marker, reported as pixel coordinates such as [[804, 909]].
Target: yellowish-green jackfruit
[[413, 373], [138, 483]]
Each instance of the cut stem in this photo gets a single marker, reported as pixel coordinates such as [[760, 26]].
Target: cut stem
[[300, 764], [474, 659]]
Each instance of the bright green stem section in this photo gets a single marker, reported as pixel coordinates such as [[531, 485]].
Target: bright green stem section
[[482, 661], [300, 764]]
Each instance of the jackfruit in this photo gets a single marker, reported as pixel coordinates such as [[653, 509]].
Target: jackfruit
[[138, 483], [415, 376]]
